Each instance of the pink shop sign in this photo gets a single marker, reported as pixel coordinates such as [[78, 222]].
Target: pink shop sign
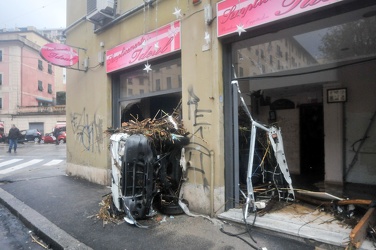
[[252, 13], [162, 41], [59, 54]]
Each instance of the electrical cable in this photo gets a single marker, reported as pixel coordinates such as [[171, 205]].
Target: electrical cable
[[247, 231], [247, 226], [237, 236]]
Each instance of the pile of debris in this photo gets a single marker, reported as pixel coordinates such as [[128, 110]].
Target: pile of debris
[[360, 214], [107, 213], [160, 130]]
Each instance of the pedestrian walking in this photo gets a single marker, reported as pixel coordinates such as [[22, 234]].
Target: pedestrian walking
[[56, 134], [13, 135]]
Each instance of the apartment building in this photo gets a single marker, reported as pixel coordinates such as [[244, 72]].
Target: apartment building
[[28, 84]]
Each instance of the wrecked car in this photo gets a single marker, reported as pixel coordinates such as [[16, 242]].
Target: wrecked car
[[146, 171]]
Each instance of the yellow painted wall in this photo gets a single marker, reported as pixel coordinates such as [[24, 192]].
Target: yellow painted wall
[[89, 96]]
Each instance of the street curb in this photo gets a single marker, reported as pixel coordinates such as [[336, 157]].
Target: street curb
[[42, 227]]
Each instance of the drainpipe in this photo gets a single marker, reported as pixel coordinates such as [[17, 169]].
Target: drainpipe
[[211, 183], [73, 24]]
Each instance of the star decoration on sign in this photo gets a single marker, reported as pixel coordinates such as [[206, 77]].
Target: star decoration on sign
[[144, 44], [177, 13], [240, 29], [207, 37], [147, 67], [156, 46]]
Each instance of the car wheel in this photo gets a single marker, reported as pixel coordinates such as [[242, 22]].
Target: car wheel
[[171, 207], [36, 140], [61, 141]]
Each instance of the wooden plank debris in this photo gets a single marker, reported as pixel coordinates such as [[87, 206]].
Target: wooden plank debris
[[359, 233]]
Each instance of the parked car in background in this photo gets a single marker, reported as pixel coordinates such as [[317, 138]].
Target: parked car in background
[[50, 138], [20, 139], [62, 138], [31, 135], [26, 136]]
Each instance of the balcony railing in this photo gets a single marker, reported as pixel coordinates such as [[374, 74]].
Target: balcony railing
[[58, 109]]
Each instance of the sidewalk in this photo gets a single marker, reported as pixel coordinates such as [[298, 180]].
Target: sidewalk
[[61, 210]]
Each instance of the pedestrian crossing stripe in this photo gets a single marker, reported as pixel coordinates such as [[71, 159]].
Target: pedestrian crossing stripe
[[53, 162], [23, 165], [2, 164], [20, 166]]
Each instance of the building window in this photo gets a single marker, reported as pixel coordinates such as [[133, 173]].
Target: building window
[[1, 103], [1, 79], [158, 84], [142, 91], [40, 64], [49, 69], [279, 51], [130, 91], [169, 85], [61, 97], [130, 82], [1, 55], [180, 81], [270, 47], [49, 88], [40, 86]]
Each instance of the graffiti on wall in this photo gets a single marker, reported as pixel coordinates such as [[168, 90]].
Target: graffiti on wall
[[198, 146], [198, 114], [88, 130]]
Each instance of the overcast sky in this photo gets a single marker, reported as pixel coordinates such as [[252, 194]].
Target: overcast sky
[[41, 14]]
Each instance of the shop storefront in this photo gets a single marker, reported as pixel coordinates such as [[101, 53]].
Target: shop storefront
[[306, 67]]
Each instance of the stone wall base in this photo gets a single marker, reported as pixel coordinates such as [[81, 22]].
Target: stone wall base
[[198, 198], [95, 175]]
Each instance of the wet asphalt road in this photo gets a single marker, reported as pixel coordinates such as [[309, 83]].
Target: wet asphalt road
[[14, 234]]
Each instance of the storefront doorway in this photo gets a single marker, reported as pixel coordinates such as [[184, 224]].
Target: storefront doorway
[[291, 69], [311, 142]]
